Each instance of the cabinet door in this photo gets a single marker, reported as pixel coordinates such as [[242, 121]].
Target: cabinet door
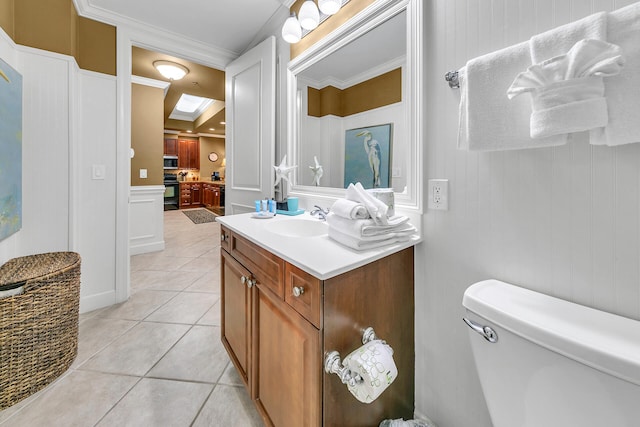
[[196, 197], [236, 314], [287, 376], [171, 147], [183, 154], [194, 154]]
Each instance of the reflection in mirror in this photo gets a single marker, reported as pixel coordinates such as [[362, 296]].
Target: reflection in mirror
[[355, 91], [358, 87]]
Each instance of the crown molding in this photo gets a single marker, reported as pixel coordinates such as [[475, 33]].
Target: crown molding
[[179, 45]]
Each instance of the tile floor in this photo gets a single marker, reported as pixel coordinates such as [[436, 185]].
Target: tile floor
[[157, 359]]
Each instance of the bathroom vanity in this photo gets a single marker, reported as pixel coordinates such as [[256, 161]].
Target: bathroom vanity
[[290, 295]]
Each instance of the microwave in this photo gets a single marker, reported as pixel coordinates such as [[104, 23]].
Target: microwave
[[170, 162]]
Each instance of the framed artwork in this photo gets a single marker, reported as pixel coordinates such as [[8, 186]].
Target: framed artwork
[[11, 149], [367, 156]]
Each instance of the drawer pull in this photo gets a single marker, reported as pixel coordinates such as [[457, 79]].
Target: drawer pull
[[243, 279], [297, 291], [251, 283]]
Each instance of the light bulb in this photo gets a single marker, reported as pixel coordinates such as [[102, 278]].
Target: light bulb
[[291, 31], [309, 15], [329, 7]]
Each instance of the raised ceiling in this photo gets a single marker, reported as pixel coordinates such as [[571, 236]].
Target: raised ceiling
[[200, 81]]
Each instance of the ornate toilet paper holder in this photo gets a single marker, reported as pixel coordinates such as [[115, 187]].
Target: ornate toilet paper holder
[[333, 363]]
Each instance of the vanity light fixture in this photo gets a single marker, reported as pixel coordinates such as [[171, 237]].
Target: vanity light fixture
[[294, 29], [291, 30], [309, 15], [329, 7], [171, 70]]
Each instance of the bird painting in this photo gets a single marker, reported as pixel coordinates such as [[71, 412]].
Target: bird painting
[[317, 171], [372, 148]]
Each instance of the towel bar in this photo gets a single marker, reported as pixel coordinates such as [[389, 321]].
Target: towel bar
[[452, 78]]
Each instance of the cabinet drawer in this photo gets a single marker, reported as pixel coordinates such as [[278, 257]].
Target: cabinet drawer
[[303, 292], [267, 268]]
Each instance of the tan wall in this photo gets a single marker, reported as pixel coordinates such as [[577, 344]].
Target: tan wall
[[207, 145], [54, 25], [331, 23], [377, 92], [147, 131], [6, 17]]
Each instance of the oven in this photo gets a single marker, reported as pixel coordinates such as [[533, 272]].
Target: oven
[[171, 192]]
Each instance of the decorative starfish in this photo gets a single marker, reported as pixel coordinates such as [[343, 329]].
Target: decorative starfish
[[317, 171], [283, 171]]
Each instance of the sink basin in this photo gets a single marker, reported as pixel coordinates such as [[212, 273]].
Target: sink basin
[[298, 227]]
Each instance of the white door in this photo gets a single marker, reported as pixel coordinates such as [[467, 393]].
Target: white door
[[250, 116]]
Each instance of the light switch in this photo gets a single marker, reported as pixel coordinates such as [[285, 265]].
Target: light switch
[[143, 173], [98, 171]]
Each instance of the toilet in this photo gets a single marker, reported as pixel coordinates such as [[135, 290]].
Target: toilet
[[547, 362]]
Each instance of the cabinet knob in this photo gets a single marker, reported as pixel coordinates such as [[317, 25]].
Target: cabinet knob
[[298, 290], [243, 279], [251, 283]]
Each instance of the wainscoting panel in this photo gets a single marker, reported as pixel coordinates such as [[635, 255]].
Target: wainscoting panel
[[146, 217], [563, 221]]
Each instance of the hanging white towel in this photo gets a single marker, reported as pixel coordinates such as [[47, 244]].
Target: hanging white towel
[[567, 91], [489, 121], [559, 40], [623, 90]]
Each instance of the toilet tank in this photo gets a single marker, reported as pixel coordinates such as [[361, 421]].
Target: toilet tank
[[554, 363]]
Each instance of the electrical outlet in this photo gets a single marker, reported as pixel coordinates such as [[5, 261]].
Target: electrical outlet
[[143, 173], [438, 194]]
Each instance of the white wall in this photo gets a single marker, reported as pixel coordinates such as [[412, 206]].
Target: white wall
[[146, 219], [69, 124], [564, 221]]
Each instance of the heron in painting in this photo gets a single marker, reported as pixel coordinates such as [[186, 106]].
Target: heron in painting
[[372, 148]]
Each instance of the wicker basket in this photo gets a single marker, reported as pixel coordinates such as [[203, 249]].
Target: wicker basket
[[39, 327]]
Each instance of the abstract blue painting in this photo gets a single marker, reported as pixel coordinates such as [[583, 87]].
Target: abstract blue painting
[[10, 150], [367, 156]]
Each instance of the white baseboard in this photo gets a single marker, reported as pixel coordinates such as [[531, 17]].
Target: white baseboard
[[94, 302]]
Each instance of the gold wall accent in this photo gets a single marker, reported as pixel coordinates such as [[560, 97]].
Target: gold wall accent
[[207, 167], [147, 131], [376, 92], [345, 13], [55, 26]]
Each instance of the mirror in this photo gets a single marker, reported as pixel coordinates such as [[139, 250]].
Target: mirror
[[357, 87]]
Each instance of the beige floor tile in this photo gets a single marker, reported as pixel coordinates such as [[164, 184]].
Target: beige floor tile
[[230, 407], [79, 399], [208, 282], [231, 376], [203, 264], [140, 305], [212, 316], [162, 280], [96, 333], [198, 356], [156, 402], [164, 263], [186, 307], [135, 352]]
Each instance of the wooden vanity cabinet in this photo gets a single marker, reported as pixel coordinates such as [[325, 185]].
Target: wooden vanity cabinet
[[295, 319]]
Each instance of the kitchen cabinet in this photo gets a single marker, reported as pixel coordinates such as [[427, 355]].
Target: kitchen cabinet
[[280, 321], [190, 194], [210, 195], [170, 147], [188, 154]]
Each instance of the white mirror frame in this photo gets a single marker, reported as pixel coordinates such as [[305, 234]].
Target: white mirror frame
[[367, 19]]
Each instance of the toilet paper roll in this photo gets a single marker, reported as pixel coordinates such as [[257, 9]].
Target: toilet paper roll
[[374, 363]]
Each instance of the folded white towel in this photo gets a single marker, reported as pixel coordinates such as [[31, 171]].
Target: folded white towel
[[568, 90], [376, 208], [349, 209], [367, 227], [559, 40], [489, 121], [361, 245], [623, 90]]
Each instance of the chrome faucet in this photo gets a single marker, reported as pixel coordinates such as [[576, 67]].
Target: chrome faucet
[[320, 213]]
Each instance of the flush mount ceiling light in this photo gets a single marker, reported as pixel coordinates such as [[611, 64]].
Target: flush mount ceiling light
[[291, 30], [295, 29], [329, 7], [309, 15], [171, 70]]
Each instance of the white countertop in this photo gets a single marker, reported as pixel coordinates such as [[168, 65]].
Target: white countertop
[[318, 255]]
